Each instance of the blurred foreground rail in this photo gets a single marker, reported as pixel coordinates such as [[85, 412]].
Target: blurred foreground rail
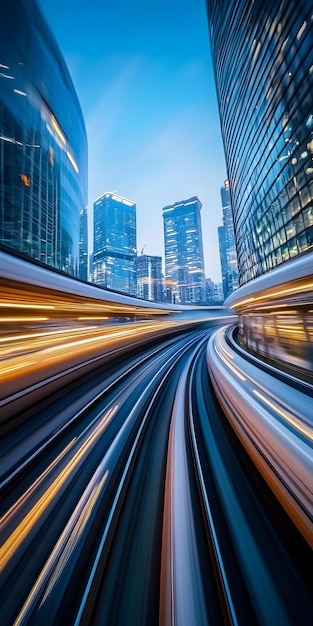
[[127, 496]]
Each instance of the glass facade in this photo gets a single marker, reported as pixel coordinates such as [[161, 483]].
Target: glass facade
[[227, 244], [149, 277], [184, 264], [115, 248], [43, 143], [263, 57], [83, 245], [209, 286]]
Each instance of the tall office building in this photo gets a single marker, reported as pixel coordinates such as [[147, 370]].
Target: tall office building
[[115, 255], [223, 258], [184, 264], [263, 60], [43, 143], [264, 76], [149, 277], [83, 245], [228, 255], [209, 288]]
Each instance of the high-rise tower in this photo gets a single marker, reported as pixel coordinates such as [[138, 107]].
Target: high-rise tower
[[263, 62], [83, 245], [149, 277], [184, 264], [115, 243], [43, 143], [227, 245]]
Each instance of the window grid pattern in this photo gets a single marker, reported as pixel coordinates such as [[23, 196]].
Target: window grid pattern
[[263, 53]]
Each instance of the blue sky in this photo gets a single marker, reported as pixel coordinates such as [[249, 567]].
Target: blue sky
[[143, 74]]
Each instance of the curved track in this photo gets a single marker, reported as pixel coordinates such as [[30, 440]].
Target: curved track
[[129, 500]]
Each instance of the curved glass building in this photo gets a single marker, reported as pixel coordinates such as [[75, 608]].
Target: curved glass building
[[43, 143], [263, 57]]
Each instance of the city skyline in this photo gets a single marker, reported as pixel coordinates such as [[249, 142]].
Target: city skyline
[[150, 108], [156, 439]]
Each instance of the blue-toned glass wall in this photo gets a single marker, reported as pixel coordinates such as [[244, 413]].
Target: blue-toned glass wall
[[228, 254], [43, 144], [223, 258], [149, 277], [184, 264], [83, 244], [115, 253], [263, 57]]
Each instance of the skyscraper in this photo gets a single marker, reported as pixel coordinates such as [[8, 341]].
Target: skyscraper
[[227, 245], [263, 60], [83, 245], [115, 253], [43, 143], [149, 277], [264, 77], [209, 286], [184, 264]]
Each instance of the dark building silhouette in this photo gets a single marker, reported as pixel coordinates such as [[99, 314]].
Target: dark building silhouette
[[43, 144]]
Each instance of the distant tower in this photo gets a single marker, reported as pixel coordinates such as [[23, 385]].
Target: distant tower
[[149, 277], [83, 245], [184, 264], [227, 245], [210, 296], [114, 258]]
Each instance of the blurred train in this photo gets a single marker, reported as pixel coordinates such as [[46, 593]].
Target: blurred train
[[28, 285], [31, 291], [275, 313]]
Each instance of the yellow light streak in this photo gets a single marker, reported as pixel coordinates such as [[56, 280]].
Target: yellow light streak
[[49, 332], [17, 305], [229, 365], [71, 542], [286, 416], [75, 535], [16, 366], [44, 353], [268, 296], [24, 319], [57, 128], [6, 518], [17, 537], [230, 356]]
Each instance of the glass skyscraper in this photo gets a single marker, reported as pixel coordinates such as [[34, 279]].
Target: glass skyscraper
[[227, 245], [263, 59], [184, 264], [43, 144], [149, 277], [83, 245], [115, 248]]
